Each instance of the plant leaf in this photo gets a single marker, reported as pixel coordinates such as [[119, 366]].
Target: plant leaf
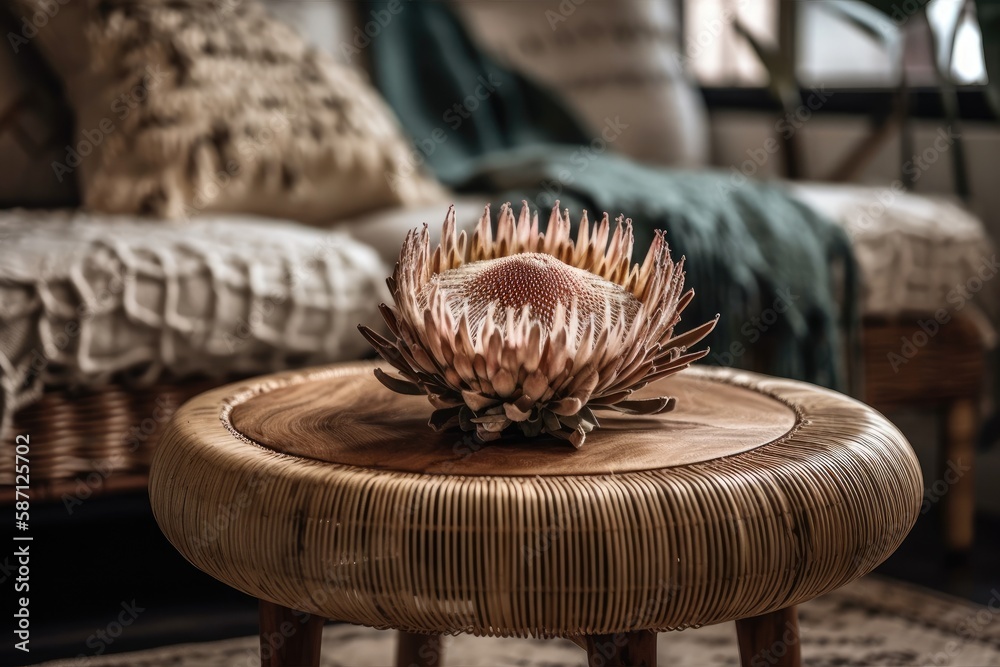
[[988, 13], [866, 18], [894, 9], [442, 419], [397, 385], [646, 406]]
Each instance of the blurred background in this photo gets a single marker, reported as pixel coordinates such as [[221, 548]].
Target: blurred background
[[863, 137]]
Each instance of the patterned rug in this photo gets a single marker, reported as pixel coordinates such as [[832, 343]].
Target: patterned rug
[[870, 622]]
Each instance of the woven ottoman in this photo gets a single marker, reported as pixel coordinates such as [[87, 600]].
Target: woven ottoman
[[327, 497]]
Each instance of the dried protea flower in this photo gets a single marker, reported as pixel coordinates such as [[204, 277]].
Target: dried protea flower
[[532, 329]]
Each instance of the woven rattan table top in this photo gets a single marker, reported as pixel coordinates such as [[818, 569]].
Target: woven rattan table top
[[754, 495]]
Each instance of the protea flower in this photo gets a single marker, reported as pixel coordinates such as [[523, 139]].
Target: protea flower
[[533, 330]]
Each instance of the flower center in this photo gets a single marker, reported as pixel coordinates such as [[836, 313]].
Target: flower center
[[537, 280], [532, 279]]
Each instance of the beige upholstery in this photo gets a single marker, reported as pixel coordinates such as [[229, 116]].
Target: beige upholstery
[[916, 253], [83, 298]]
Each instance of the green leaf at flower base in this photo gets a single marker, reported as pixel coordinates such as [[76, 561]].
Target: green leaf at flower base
[[551, 421], [531, 427]]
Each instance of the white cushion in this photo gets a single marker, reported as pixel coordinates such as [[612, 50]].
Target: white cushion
[[915, 253], [83, 297]]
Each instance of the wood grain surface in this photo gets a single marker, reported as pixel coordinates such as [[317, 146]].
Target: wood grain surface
[[351, 419], [726, 538]]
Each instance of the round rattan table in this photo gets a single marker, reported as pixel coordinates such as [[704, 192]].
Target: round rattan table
[[326, 496]]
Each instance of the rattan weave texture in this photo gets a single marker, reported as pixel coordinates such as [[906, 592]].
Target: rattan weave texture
[[667, 548]]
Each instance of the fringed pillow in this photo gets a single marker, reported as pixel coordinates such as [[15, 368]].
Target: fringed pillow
[[192, 106]]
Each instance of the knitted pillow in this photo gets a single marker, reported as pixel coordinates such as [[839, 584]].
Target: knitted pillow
[[86, 297], [915, 252], [616, 63], [185, 107]]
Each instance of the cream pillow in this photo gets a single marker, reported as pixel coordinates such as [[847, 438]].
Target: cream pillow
[[185, 108], [615, 63]]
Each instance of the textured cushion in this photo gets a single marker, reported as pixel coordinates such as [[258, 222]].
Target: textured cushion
[[184, 108], [615, 63], [83, 298], [915, 252]]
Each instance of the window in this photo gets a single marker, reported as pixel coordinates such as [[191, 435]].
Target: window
[[832, 49]]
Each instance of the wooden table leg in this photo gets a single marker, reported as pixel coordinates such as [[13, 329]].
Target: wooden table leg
[[416, 650], [960, 493], [289, 638], [771, 639], [626, 649]]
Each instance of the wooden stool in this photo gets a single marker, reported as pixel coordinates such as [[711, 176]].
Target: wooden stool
[[326, 496]]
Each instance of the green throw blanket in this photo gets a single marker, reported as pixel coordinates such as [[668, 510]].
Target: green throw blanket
[[760, 258]]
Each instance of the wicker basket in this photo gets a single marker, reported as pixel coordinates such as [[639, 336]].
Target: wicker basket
[[93, 441]]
